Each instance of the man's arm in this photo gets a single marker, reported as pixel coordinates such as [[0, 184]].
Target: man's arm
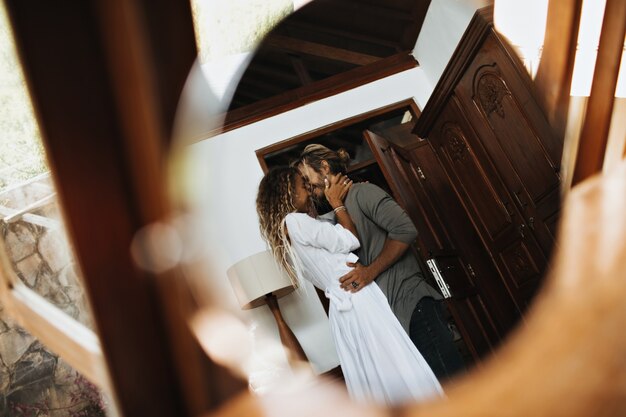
[[379, 207], [363, 275]]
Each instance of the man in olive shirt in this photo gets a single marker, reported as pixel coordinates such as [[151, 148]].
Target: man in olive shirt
[[386, 233]]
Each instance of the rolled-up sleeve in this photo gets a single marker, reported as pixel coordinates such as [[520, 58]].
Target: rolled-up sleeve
[[381, 209], [308, 231]]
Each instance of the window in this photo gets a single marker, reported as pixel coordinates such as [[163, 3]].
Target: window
[[41, 287]]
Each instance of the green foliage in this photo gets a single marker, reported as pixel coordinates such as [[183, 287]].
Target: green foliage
[[230, 27], [21, 152]]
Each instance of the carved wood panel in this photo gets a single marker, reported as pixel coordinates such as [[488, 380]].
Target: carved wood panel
[[487, 202], [444, 228], [500, 106], [491, 209]]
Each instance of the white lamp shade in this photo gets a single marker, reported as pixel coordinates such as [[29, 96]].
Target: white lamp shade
[[254, 277]]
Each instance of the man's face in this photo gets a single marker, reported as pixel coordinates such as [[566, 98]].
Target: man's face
[[314, 180]]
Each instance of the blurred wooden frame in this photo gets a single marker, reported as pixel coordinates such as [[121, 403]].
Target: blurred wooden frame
[[105, 77], [585, 124]]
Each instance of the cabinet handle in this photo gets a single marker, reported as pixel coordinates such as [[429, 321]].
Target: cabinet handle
[[507, 207], [517, 195], [443, 285], [421, 173], [520, 229]]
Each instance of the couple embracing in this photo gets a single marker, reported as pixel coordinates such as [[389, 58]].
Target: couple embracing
[[386, 320]]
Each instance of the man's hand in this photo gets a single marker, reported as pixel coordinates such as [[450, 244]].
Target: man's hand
[[363, 275], [356, 279]]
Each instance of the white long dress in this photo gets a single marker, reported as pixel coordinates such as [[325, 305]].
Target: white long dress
[[378, 360]]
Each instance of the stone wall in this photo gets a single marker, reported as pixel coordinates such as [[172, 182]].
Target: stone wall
[[33, 380]]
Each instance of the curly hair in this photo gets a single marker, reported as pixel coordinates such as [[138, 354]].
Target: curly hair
[[274, 201]]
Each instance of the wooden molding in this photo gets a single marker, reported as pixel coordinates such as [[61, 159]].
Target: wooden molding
[[554, 75], [315, 91], [260, 153], [595, 129], [302, 47], [479, 27]]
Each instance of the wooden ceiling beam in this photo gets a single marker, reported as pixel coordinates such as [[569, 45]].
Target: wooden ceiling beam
[[305, 27], [301, 70], [260, 70], [299, 46], [256, 90], [292, 99], [374, 21], [374, 10]]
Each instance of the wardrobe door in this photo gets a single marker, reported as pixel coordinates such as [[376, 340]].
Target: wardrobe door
[[488, 203], [495, 94], [478, 306]]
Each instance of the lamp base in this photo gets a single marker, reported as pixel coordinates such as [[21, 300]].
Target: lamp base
[[295, 353]]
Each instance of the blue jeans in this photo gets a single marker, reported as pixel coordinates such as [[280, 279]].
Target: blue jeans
[[429, 332]]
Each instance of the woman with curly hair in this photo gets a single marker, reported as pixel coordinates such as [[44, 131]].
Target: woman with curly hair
[[378, 360]]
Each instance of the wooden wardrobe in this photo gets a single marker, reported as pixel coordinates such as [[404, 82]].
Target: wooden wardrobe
[[479, 173]]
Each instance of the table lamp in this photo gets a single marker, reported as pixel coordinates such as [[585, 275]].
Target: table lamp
[[257, 280]]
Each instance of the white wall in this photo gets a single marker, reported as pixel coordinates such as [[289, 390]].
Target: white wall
[[230, 174], [444, 25]]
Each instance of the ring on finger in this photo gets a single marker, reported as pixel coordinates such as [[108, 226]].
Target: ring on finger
[[355, 284]]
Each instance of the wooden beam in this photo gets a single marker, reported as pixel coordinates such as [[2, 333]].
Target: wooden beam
[[296, 26], [479, 27], [320, 89], [302, 47], [554, 75], [412, 31], [597, 121], [262, 70], [300, 69]]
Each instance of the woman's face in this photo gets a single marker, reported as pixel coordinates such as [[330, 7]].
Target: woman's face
[[301, 198], [315, 179]]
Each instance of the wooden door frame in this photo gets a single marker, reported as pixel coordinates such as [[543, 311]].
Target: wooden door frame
[[105, 78], [329, 128]]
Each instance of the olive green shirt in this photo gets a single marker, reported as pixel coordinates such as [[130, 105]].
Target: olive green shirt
[[378, 217]]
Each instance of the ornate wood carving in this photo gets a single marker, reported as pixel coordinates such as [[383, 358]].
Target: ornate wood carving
[[491, 90], [521, 265], [455, 142]]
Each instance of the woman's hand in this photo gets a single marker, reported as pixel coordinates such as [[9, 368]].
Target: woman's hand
[[336, 188]]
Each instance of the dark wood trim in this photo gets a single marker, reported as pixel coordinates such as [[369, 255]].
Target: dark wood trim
[[595, 130], [479, 27], [316, 91], [303, 74], [169, 30], [334, 126], [419, 14], [261, 158], [302, 47], [288, 25], [360, 165]]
